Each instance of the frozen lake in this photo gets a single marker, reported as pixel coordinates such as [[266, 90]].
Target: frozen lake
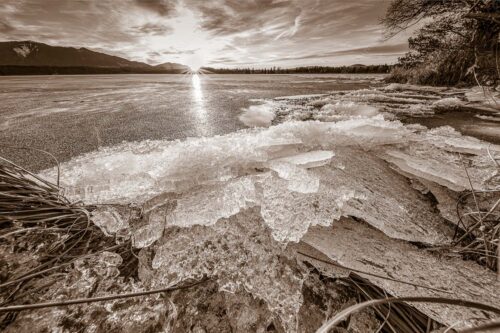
[[71, 115]]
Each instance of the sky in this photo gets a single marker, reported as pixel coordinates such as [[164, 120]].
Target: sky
[[217, 33]]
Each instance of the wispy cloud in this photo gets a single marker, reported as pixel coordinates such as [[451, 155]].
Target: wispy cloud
[[216, 32], [161, 7], [152, 29]]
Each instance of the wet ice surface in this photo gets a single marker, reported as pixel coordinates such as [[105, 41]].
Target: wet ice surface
[[71, 115], [226, 206], [274, 168]]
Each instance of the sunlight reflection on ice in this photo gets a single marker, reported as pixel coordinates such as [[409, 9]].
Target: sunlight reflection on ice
[[199, 104]]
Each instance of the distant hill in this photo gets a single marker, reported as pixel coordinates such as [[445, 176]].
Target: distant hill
[[172, 66], [28, 57], [28, 53]]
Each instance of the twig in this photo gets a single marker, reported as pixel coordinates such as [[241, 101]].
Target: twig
[[98, 299], [436, 300]]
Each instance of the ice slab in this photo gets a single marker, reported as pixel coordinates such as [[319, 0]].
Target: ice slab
[[485, 97], [350, 109], [449, 175], [207, 205], [356, 245], [292, 199], [139, 171], [240, 254], [307, 160]]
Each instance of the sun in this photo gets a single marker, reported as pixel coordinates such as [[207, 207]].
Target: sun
[[194, 62], [194, 69]]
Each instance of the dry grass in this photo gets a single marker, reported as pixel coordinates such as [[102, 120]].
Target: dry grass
[[42, 233], [396, 317], [343, 315], [478, 231]]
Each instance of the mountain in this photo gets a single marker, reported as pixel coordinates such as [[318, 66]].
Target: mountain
[[28, 57], [28, 53], [172, 66]]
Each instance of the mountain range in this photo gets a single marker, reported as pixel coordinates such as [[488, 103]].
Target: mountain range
[[28, 57]]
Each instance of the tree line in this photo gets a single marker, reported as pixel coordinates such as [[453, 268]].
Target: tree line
[[361, 69]]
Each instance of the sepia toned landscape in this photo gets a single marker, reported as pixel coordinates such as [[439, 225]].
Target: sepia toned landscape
[[250, 166]]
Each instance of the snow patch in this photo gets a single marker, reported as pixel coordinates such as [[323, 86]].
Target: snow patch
[[258, 115], [350, 109], [448, 103], [490, 118], [23, 50]]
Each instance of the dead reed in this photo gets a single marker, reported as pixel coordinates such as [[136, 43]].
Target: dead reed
[[477, 234], [43, 233]]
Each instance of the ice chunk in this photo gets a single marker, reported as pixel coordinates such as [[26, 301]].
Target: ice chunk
[[447, 138], [289, 214], [350, 109], [448, 103], [299, 180], [139, 171], [484, 96], [495, 117], [298, 96], [450, 175], [311, 159], [238, 252], [148, 234], [360, 247], [384, 199], [109, 220], [399, 86], [258, 115], [209, 204]]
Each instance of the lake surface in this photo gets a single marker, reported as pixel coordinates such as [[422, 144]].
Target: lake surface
[[71, 115]]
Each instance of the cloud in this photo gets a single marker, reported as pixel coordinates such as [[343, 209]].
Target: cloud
[[224, 17], [161, 7], [229, 33], [5, 27], [390, 49], [152, 29]]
